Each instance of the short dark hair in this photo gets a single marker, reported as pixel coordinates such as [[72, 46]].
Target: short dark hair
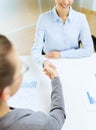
[[7, 70]]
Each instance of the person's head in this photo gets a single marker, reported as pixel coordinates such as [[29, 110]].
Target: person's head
[[10, 69], [63, 4]]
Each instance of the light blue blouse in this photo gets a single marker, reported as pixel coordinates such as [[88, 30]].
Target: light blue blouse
[[54, 35]]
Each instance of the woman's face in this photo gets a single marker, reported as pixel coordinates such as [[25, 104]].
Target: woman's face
[[63, 4]]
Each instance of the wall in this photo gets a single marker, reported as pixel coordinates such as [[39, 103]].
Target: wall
[[88, 4], [94, 5]]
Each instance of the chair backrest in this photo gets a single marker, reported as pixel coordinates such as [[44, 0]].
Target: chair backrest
[[94, 42]]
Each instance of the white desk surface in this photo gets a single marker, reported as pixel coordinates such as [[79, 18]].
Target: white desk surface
[[77, 76]]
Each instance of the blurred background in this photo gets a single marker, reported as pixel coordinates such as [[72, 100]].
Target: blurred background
[[18, 19]]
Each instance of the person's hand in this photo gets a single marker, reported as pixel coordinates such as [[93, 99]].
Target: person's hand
[[53, 55], [50, 71], [48, 64]]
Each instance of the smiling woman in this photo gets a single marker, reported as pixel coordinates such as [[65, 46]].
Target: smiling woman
[[62, 8], [58, 33], [18, 20]]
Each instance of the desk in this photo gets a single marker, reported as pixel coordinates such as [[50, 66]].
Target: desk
[[77, 76]]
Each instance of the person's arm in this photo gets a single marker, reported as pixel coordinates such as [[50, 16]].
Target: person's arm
[[87, 48], [57, 115], [36, 51]]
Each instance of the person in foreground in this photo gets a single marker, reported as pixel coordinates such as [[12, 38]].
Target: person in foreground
[[10, 79], [59, 32]]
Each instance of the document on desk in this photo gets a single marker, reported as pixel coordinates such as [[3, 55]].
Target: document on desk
[[34, 92], [89, 95], [28, 95]]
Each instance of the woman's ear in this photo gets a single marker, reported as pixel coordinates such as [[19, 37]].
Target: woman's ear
[[5, 94]]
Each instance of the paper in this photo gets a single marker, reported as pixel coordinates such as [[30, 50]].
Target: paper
[[89, 95], [28, 96], [34, 92]]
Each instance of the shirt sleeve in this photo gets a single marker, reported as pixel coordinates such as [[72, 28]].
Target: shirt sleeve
[[87, 48], [57, 111], [36, 51]]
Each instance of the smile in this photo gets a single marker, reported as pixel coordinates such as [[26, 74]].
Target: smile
[[64, 5]]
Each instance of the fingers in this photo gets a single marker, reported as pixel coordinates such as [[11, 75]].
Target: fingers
[[53, 66], [53, 55], [47, 64], [50, 69], [50, 55], [50, 72]]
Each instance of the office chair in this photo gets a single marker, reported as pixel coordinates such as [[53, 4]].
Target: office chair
[[94, 42]]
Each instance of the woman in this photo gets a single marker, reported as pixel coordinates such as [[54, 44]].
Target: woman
[[10, 80], [58, 33]]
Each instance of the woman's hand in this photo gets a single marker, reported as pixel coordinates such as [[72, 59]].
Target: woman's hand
[[53, 55], [48, 64], [50, 70]]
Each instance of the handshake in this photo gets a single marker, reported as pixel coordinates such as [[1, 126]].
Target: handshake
[[50, 70]]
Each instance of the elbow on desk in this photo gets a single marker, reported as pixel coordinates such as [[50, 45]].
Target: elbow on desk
[[90, 52]]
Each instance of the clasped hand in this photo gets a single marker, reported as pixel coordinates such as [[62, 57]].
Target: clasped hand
[[50, 70], [53, 55]]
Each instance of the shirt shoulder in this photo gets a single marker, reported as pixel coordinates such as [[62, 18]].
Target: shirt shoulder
[[78, 14], [45, 19], [22, 118], [44, 16]]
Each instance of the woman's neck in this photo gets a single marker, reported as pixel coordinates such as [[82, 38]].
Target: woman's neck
[[4, 109], [63, 14]]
